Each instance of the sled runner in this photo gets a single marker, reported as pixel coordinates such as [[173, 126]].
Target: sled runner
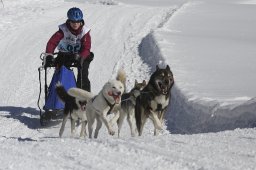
[[64, 62]]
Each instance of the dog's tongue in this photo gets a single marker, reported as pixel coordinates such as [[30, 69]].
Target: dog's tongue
[[163, 89], [117, 99]]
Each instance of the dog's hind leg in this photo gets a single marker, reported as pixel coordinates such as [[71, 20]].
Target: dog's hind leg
[[120, 121], [98, 126], [65, 118], [90, 123], [132, 122], [83, 131], [140, 116], [143, 121]]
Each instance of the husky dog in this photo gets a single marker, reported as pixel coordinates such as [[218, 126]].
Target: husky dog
[[154, 99], [128, 107], [102, 104], [74, 106]]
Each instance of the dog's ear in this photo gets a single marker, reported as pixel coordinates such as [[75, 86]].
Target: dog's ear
[[144, 83], [121, 76], [157, 67], [172, 84], [136, 82], [167, 67]]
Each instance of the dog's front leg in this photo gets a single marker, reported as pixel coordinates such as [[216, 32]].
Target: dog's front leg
[[90, 124], [90, 115], [83, 131], [114, 119], [73, 126], [105, 121], [156, 132], [157, 123], [65, 118]]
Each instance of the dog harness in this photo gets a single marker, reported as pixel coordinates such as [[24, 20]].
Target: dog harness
[[108, 103]]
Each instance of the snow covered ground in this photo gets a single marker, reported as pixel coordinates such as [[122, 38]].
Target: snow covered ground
[[209, 45]]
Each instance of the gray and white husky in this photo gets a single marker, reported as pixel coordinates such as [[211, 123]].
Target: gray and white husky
[[128, 107], [154, 99]]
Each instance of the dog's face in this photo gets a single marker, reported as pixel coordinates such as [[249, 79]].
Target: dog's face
[[163, 80], [137, 88], [113, 91], [81, 104]]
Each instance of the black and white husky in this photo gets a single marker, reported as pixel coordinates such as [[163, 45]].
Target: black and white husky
[[75, 106], [154, 99]]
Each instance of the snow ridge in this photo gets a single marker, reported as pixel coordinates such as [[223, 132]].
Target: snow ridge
[[188, 115]]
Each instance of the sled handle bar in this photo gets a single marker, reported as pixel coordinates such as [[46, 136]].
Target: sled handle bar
[[46, 63], [43, 55]]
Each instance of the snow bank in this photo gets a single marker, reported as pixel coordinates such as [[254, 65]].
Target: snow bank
[[201, 115], [188, 114]]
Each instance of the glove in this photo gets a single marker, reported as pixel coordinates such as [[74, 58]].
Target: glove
[[90, 57], [77, 57], [49, 60], [79, 60]]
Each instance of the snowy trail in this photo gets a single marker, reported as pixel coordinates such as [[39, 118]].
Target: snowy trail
[[122, 51], [164, 152]]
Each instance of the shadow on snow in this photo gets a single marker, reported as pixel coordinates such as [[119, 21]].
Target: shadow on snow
[[28, 116]]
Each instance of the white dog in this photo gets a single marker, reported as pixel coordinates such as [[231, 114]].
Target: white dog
[[101, 105]]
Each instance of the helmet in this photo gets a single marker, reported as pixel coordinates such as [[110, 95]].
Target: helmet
[[75, 14]]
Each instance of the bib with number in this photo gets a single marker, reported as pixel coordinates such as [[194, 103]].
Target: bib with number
[[70, 42]]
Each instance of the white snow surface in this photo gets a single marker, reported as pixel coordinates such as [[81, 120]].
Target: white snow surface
[[210, 47]]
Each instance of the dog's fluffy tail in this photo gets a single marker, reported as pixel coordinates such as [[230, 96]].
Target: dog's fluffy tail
[[80, 94], [62, 93], [121, 76]]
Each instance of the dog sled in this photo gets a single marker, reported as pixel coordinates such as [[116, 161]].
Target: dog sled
[[63, 64]]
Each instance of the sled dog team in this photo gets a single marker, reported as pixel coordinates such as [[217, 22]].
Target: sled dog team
[[145, 100]]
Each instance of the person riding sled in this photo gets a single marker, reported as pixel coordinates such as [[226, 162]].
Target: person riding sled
[[73, 37]]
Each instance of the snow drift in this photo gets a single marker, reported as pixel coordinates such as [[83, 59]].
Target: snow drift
[[188, 115]]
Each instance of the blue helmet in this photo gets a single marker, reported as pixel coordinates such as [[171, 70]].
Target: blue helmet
[[75, 14]]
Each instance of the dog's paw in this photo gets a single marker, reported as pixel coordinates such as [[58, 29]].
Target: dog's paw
[[111, 124], [73, 134], [82, 136], [158, 127], [111, 132]]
